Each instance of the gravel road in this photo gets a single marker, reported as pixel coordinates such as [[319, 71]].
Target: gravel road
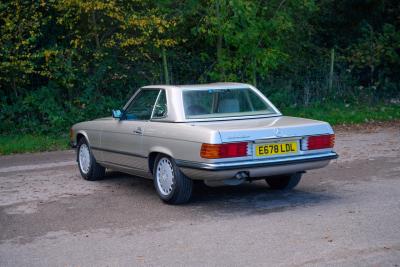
[[347, 214]]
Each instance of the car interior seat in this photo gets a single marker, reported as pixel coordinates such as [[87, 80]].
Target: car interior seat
[[229, 106]]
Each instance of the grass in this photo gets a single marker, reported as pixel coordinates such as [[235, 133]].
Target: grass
[[334, 114], [346, 114], [10, 144]]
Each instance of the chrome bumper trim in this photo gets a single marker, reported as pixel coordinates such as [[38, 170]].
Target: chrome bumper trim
[[256, 164]]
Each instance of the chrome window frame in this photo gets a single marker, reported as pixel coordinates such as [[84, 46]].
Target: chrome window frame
[[134, 96], [154, 107]]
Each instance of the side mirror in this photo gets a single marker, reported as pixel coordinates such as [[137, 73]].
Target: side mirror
[[116, 113]]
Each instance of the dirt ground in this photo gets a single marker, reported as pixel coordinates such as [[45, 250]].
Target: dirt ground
[[347, 214]]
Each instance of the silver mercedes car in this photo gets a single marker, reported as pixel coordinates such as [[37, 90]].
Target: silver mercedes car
[[220, 133]]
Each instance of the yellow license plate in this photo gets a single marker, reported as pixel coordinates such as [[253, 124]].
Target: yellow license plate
[[276, 149]]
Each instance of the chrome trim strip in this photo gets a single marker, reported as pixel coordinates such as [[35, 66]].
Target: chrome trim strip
[[121, 166], [255, 164], [118, 152], [247, 117]]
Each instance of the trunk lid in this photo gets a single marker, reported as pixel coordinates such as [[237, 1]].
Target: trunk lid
[[266, 128]]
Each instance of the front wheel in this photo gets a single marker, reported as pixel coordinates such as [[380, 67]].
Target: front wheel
[[284, 182], [172, 186], [88, 167]]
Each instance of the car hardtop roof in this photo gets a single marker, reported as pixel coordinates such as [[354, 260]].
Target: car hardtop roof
[[221, 85]]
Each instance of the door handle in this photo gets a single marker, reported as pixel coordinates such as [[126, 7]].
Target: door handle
[[138, 131]]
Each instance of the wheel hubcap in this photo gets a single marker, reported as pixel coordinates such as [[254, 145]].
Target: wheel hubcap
[[84, 158], [165, 176]]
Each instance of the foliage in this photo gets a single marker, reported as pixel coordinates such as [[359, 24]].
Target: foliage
[[10, 144], [338, 113], [375, 58], [71, 60]]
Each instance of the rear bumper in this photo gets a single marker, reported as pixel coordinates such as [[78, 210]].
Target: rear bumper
[[255, 164], [259, 168]]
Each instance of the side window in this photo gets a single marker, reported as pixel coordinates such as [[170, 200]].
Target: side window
[[160, 110], [142, 105]]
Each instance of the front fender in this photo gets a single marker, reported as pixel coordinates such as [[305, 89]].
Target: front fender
[[79, 133]]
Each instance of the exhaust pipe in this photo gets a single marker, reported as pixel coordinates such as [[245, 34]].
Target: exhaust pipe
[[242, 175], [237, 179]]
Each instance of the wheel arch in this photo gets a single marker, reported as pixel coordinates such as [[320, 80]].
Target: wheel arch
[[154, 153], [80, 135]]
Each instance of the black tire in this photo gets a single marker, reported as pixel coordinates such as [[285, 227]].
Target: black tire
[[95, 171], [284, 182], [181, 188]]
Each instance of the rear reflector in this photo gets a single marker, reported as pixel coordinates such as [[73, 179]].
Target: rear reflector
[[318, 142], [217, 151]]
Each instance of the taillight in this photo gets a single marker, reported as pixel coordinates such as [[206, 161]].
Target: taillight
[[217, 151], [318, 142]]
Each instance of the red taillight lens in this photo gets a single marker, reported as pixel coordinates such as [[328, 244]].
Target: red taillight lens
[[319, 142], [216, 151]]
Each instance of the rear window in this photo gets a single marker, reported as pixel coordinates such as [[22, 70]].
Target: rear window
[[219, 103]]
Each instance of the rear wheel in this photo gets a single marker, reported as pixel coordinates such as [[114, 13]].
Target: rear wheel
[[284, 182], [88, 167], [172, 185]]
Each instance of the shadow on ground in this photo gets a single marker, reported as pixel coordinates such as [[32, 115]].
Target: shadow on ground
[[129, 202], [255, 197]]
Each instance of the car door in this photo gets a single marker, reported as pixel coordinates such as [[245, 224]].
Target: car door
[[122, 139]]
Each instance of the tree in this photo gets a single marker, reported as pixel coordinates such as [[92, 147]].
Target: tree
[[250, 36]]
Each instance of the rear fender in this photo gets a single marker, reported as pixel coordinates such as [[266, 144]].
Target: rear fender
[[158, 149], [162, 150]]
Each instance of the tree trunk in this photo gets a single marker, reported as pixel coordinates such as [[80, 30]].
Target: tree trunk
[[219, 41], [96, 34], [331, 69], [14, 86], [165, 65], [254, 72]]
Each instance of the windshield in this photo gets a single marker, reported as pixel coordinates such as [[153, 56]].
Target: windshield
[[219, 103]]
